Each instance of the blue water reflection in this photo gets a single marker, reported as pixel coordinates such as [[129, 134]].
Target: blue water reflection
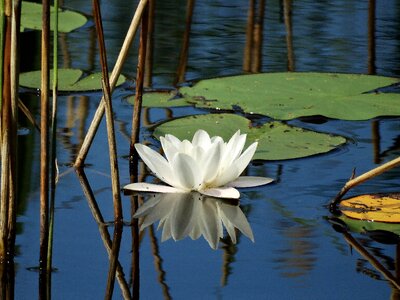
[[194, 215]]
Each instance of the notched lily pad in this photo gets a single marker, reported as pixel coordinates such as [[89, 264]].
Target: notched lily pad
[[285, 96], [276, 140], [31, 18], [69, 80], [373, 207]]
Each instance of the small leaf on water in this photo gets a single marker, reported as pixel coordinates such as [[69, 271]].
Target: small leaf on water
[[69, 80], [373, 207], [276, 140], [31, 18]]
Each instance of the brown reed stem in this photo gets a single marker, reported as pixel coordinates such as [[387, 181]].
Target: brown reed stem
[[363, 177], [113, 80], [109, 115], [105, 236], [148, 74], [14, 76], [183, 57], [44, 147], [113, 152], [5, 143], [372, 260], [137, 106], [287, 8], [249, 37], [258, 38]]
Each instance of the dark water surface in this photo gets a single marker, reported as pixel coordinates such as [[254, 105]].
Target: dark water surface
[[296, 254]]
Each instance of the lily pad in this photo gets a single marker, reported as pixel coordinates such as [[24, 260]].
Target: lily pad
[[31, 18], [70, 80], [285, 96], [276, 140], [373, 207], [361, 226], [161, 99]]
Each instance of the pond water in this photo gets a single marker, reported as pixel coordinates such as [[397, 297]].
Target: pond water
[[296, 253]]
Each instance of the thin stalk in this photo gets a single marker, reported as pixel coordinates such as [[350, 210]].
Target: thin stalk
[[183, 57], [372, 260], [105, 236], [2, 24], [363, 177], [44, 147], [249, 37], [112, 151], [137, 106], [28, 114], [5, 144], [133, 160], [109, 116], [14, 74], [158, 263], [113, 80], [256, 54], [148, 74], [53, 154], [287, 8]]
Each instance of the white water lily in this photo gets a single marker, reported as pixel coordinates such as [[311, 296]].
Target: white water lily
[[194, 215], [207, 165]]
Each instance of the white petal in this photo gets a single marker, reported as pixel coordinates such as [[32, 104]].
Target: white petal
[[173, 140], [187, 171], [169, 148], [186, 147], [151, 187], [222, 192], [146, 207], [249, 181], [201, 138], [156, 163], [235, 146], [212, 162], [244, 159]]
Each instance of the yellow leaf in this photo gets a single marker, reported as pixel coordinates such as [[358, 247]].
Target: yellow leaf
[[373, 207]]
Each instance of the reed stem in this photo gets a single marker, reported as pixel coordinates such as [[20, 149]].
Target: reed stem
[[44, 148], [113, 80]]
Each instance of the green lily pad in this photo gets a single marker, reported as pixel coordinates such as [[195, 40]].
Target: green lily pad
[[160, 99], [276, 140], [31, 18], [69, 80], [360, 226], [285, 96]]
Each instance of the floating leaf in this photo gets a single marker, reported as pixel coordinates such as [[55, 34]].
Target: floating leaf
[[276, 140], [160, 99], [70, 80], [373, 207], [285, 96], [31, 17]]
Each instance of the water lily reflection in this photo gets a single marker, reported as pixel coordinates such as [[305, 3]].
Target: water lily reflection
[[206, 164], [194, 214]]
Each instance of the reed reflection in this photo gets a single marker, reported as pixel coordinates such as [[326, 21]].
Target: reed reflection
[[194, 215]]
